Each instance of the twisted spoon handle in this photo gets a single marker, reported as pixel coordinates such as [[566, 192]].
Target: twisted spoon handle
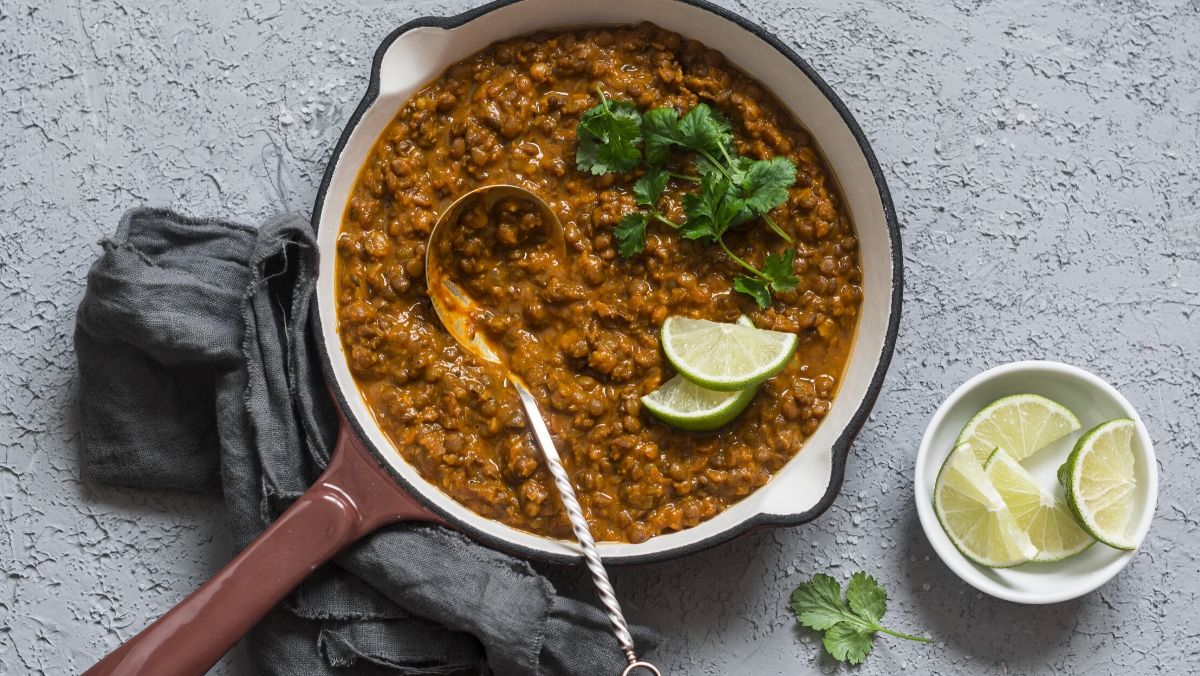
[[583, 533]]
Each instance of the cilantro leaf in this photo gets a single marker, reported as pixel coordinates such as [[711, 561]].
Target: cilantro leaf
[[614, 137], [757, 289], [738, 168], [776, 275], [704, 167], [866, 597], [732, 212], [818, 603], [702, 206], [714, 208], [587, 156], [605, 157], [734, 171], [630, 234], [609, 134], [779, 270], [705, 131], [649, 188], [698, 228], [849, 624], [660, 129], [766, 182], [848, 643]]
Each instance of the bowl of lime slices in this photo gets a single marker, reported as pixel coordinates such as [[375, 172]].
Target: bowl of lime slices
[[1036, 482]]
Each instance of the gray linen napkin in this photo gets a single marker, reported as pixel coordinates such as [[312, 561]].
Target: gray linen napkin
[[197, 371]]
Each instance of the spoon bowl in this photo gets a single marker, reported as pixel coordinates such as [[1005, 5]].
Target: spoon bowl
[[454, 307]]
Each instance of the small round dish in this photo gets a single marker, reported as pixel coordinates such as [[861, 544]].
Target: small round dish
[[1094, 401]]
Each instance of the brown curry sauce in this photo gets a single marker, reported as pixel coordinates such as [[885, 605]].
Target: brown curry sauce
[[585, 339]]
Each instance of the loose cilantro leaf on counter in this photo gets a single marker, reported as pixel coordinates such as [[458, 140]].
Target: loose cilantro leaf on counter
[[609, 134], [849, 624]]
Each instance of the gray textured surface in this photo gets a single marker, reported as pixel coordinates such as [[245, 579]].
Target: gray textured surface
[[1043, 160]]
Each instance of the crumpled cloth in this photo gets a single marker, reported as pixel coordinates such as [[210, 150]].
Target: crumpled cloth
[[197, 371]]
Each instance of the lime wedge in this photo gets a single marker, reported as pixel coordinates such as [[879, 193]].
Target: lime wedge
[[686, 405], [974, 515], [1100, 482], [1021, 424], [1044, 516], [725, 357]]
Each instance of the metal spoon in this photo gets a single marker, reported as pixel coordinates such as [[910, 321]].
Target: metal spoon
[[454, 309]]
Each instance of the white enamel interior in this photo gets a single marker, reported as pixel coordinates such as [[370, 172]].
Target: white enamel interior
[[422, 54], [1094, 401]]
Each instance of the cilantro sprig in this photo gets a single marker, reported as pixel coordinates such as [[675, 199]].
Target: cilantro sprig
[[609, 135], [730, 189], [849, 624], [631, 230]]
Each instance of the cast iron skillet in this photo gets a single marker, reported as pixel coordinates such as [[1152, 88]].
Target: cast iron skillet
[[368, 485]]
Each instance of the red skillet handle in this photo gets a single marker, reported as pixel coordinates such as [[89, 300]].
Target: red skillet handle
[[352, 498]]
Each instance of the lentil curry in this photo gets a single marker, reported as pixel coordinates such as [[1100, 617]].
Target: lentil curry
[[582, 331]]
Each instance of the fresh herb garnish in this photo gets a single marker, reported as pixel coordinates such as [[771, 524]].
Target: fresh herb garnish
[[849, 624], [707, 133], [660, 129], [631, 233], [609, 135], [713, 209], [765, 184], [731, 189], [650, 187], [711, 212], [778, 268]]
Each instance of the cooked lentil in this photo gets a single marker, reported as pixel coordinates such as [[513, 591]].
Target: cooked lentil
[[585, 338]]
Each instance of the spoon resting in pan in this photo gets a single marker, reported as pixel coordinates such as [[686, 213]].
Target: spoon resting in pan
[[515, 215]]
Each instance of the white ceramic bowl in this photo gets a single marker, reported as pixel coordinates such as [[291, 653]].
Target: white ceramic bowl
[[421, 50], [1094, 401]]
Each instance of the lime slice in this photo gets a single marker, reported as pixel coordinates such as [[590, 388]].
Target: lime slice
[[974, 515], [1100, 482], [723, 356], [1021, 424], [686, 405], [1044, 516]]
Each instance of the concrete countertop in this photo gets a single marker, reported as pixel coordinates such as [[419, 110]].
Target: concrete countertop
[[1044, 163]]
